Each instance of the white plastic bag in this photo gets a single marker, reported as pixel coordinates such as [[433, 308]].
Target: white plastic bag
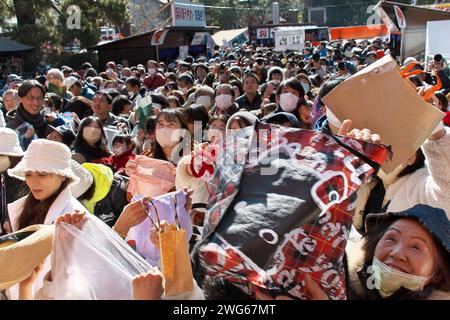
[[93, 263]]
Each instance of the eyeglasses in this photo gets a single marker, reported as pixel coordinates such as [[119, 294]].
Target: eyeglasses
[[37, 99]]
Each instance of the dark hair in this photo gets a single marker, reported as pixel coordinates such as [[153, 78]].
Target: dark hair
[[263, 88], [173, 97], [196, 112], [250, 75], [150, 124], [342, 66], [134, 82], [416, 81], [34, 211], [79, 105], [54, 100], [221, 117], [442, 100], [293, 84], [119, 104], [90, 73], [237, 83], [418, 164], [227, 86], [125, 139], [372, 239], [27, 85], [171, 115], [105, 94], [329, 85], [243, 122], [160, 99], [100, 150]]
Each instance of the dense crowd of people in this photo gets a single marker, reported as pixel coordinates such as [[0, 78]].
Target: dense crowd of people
[[78, 143]]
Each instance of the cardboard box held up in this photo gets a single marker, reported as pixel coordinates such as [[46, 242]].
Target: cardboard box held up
[[379, 99]]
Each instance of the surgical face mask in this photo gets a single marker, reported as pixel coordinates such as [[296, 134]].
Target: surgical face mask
[[389, 280], [168, 137], [306, 87], [184, 90], [130, 94], [324, 68], [224, 101], [152, 71], [288, 102], [47, 110], [92, 135], [356, 62], [204, 101], [119, 150]]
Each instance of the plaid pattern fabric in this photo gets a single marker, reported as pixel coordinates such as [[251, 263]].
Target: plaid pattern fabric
[[309, 239]]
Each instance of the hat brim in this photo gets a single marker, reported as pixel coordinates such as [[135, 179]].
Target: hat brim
[[23, 167], [19, 259], [15, 152], [435, 227]]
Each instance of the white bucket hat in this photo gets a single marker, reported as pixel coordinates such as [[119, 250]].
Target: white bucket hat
[[85, 179], [9, 143], [45, 156]]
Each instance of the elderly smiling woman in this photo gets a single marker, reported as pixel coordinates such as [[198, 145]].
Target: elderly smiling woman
[[404, 256]]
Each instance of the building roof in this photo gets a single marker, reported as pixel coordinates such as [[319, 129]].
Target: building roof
[[8, 46], [111, 44], [226, 36]]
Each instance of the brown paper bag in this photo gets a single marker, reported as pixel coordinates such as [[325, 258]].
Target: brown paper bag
[[175, 261], [379, 99]]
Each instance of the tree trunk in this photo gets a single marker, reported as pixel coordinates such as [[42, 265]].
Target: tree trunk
[[24, 12]]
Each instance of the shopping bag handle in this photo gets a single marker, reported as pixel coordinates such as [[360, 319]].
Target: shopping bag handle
[[376, 166]]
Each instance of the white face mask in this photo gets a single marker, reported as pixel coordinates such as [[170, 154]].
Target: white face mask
[[47, 110], [152, 71], [288, 102], [324, 68], [168, 137], [204, 101], [130, 94], [388, 280], [306, 87], [224, 101], [356, 63], [184, 90], [92, 135]]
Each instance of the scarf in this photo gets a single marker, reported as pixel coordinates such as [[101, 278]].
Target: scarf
[[38, 122]]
